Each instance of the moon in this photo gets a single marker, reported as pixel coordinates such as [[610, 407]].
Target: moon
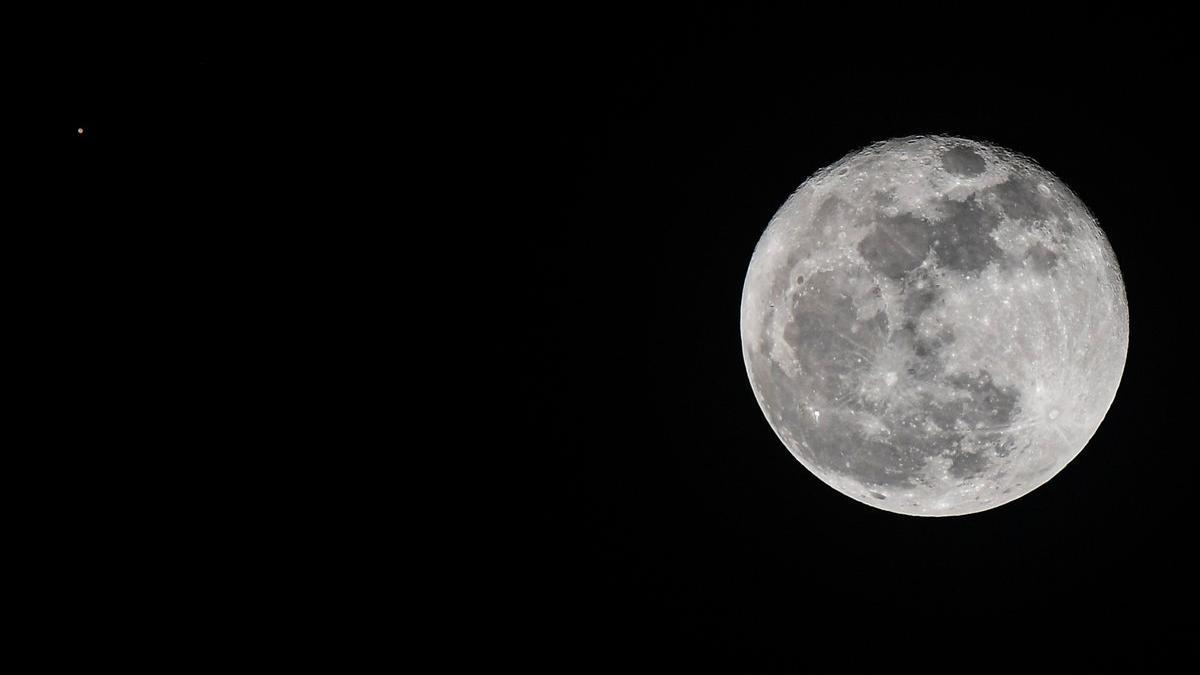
[[934, 326]]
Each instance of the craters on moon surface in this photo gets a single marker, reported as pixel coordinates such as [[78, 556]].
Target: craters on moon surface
[[934, 325]]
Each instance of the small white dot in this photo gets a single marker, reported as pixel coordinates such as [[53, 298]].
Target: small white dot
[[80, 130]]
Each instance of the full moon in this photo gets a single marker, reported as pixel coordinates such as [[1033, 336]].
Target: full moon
[[934, 326]]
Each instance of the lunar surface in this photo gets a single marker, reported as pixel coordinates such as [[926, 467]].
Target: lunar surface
[[934, 326]]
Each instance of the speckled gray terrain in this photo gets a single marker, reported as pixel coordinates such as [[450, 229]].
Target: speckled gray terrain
[[934, 325]]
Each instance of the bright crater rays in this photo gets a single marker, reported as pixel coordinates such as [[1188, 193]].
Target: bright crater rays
[[934, 326]]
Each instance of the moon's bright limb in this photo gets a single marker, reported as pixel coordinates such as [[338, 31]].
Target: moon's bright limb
[[934, 326]]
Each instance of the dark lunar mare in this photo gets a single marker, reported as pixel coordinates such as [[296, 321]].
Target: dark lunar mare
[[962, 238], [835, 350], [961, 160]]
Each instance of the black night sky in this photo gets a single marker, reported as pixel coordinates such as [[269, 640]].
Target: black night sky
[[682, 520], [209, 249]]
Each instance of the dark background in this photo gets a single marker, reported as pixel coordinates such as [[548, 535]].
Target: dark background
[[173, 245], [172, 336], [673, 514]]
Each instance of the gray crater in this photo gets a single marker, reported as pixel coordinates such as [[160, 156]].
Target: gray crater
[[963, 161], [1041, 259]]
